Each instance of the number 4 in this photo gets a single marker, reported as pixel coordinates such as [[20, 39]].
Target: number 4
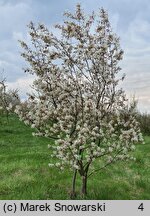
[[141, 207]]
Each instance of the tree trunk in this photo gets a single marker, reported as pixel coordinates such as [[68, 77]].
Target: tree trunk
[[73, 192], [84, 185]]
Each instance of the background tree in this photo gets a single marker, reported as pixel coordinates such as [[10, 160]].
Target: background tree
[[8, 98], [76, 100], [3, 102], [144, 121]]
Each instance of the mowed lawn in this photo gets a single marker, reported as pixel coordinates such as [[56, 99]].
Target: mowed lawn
[[24, 171]]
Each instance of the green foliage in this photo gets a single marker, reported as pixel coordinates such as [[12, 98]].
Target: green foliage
[[144, 120], [24, 173]]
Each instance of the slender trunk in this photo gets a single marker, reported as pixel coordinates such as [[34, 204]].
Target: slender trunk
[[73, 192], [84, 185]]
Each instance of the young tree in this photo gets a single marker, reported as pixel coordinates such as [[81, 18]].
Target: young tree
[[76, 100]]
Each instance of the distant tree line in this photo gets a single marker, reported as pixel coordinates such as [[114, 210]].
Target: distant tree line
[[144, 121]]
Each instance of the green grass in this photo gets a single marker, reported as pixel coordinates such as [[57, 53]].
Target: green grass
[[24, 171]]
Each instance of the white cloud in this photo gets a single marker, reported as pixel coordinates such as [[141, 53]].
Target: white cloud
[[14, 16], [23, 85], [136, 63]]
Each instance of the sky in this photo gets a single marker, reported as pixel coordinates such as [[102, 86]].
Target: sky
[[129, 19]]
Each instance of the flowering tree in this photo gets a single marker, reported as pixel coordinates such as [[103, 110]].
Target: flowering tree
[[3, 102], [76, 100], [8, 98]]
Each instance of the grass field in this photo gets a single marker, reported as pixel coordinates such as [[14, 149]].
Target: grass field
[[24, 171]]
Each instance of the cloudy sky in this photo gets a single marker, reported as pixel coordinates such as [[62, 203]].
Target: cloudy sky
[[130, 19]]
